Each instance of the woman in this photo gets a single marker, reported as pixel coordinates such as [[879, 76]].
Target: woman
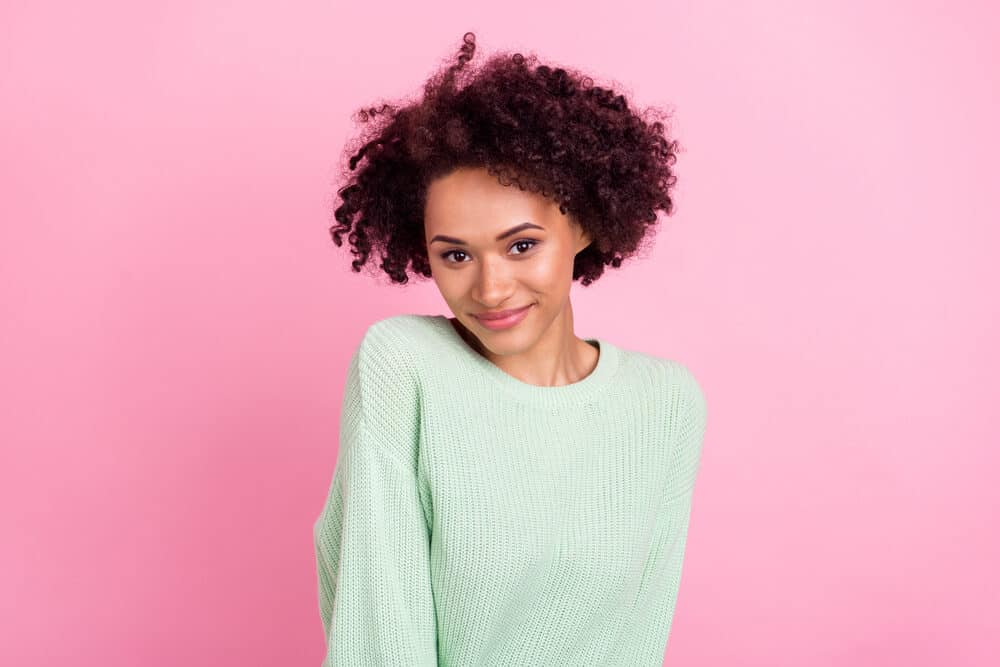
[[505, 492]]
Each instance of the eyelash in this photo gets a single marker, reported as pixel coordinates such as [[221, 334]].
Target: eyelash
[[533, 243]]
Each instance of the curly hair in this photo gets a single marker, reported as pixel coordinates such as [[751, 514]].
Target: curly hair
[[546, 129]]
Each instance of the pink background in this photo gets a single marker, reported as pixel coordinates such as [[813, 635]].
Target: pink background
[[176, 322]]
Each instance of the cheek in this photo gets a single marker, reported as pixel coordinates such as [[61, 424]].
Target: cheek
[[450, 284], [446, 281], [551, 268], [455, 285]]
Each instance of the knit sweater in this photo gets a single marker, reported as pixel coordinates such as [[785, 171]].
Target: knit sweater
[[476, 520]]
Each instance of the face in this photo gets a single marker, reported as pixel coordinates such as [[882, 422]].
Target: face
[[494, 247]]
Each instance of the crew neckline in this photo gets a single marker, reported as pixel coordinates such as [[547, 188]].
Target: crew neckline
[[556, 396]]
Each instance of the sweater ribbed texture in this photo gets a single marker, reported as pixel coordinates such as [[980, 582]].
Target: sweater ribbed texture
[[475, 520]]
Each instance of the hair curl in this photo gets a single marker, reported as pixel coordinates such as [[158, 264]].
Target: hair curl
[[546, 129]]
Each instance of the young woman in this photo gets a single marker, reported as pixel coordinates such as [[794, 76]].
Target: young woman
[[505, 492]]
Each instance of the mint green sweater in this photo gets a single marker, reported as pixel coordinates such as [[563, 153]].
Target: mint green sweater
[[477, 520]]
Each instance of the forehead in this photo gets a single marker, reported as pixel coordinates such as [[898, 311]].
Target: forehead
[[474, 197]]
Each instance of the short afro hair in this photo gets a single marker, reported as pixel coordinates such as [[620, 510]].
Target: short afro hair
[[546, 129]]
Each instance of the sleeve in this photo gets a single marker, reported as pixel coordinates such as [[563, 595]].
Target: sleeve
[[690, 417], [372, 538], [689, 420]]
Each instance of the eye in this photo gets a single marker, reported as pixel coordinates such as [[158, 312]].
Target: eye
[[516, 244], [533, 242], [448, 254]]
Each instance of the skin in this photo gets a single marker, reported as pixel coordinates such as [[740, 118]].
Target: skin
[[531, 266]]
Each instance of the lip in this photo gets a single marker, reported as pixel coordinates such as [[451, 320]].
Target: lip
[[504, 319]]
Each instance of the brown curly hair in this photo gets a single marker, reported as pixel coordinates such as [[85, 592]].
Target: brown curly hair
[[546, 129]]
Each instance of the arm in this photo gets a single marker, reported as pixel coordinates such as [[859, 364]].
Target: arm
[[372, 538], [690, 420]]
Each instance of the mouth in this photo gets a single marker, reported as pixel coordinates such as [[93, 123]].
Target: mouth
[[501, 314], [504, 319]]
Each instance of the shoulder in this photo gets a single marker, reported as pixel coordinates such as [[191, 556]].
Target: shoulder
[[389, 361], [393, 343], [689, 409], [677, 388], [396, 334], [384, 385], [674, 378], [686, 384], [402, 323], [685, 415]]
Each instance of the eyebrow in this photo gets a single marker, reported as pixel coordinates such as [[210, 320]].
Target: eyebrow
[[512, 230]]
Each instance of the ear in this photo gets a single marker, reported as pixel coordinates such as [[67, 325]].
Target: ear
[[583, 239]]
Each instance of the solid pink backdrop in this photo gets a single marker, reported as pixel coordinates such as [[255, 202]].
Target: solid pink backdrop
[[176, 322]]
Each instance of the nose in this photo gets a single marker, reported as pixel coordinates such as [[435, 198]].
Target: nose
[[494, 282]]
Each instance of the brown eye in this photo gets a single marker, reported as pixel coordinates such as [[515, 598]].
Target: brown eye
[[445, 255], [533, 243]]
